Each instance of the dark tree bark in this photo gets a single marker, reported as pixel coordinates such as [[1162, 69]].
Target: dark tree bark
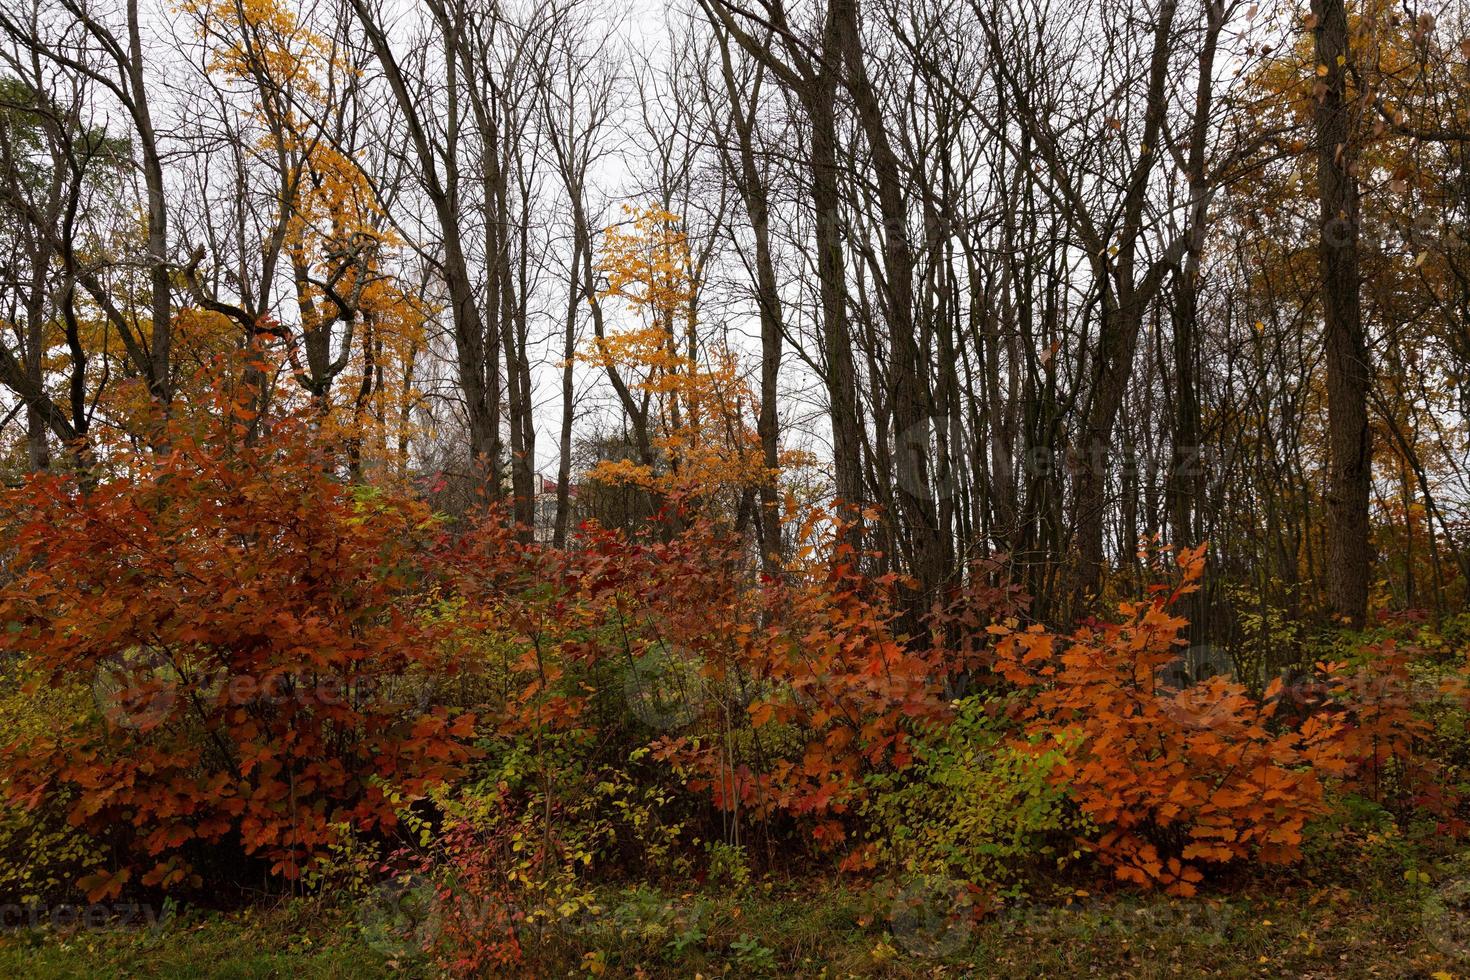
[[1349, 440], [751, 185], [813, 78], [468, 321]]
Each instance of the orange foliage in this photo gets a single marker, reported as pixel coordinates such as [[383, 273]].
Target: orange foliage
[[245, 620], [702, 421], [1379, 739], [1171, 778], [828, 676], [807, 674], [361, 329]]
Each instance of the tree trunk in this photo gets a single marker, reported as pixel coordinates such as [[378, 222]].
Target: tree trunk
[[1349, 441], [819, 100], [912, 419], [750, 184]]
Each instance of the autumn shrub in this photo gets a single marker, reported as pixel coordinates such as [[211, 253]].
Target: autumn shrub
[[563, 792], [475, 913], [1447, 741], [1173, 779], [973, 807], [1453, 636], [608, 818], [562, 632], [42, 855], [250, 626], [817, 690], [772, 699], [1400, 727], [516, 851]]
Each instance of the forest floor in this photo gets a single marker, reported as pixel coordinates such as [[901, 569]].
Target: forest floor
[[1369, 918]]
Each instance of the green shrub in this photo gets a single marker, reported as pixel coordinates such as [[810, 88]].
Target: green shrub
[[41, 855], [728, 867], [972, 808]]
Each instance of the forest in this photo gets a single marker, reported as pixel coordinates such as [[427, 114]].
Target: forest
[[734, 488]]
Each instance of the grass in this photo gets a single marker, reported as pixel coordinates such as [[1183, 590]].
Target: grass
[[1372, 926], [278, 943], [1366, 902]]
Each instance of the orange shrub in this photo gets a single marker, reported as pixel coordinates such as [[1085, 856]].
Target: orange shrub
[[1172, 778], [774, 698], [1380, 744], [826, 691], [249, 626]]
